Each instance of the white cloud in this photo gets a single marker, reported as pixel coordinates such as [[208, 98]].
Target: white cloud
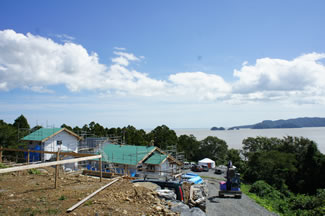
[[37, 63], [65, 38], [281, 75], [278, 79], [119, 48], [205, 86]]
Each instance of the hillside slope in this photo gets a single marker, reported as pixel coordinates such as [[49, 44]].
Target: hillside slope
[[290, 123]]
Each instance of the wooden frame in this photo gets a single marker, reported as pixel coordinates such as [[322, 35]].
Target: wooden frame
[[47, 164], [81, 157]]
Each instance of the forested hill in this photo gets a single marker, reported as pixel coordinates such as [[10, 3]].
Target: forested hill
[[290, 123]]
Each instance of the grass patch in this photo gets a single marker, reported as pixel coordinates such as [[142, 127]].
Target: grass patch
[[62, 197], [52, 211], [212, 177], [88, 203], [266, 203], [2, 166], [285, 203], [34, 172]]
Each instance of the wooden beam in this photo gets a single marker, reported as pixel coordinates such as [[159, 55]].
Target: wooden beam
[[48, 152], [100, 168], [147, 155], [31, 166], [93, 194], [57, 170], [28, 157]]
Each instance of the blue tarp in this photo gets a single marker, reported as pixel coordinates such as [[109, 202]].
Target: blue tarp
[[191, 177], [33, 156]]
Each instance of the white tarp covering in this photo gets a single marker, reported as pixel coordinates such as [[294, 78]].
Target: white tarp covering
[[207, 161]]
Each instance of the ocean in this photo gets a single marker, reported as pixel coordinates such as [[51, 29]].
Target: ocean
[[234, 138]]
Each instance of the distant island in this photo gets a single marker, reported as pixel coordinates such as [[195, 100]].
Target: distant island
[[290, 123], [217, 128]]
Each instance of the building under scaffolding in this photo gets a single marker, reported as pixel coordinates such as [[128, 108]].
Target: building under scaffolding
[[135, 160]]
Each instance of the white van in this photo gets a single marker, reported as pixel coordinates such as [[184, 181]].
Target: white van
[[186, 165]]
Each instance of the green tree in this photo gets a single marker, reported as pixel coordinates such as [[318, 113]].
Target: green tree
[[163, 137], [22, 127], [77, 130], [214, 148], [190, 146], [67, 127], [233, 155], [274, 167], [98, 130], [134, 136], [35, 128], [310, 164], [8, 135], [21, 122], [251, 145]]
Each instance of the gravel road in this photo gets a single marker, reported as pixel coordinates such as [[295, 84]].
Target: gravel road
[[229, 206]]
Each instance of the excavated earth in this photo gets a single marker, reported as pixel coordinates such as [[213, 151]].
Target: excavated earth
[[25, 193]]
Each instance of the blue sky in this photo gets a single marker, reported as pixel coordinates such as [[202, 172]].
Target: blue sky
[[186, 64]]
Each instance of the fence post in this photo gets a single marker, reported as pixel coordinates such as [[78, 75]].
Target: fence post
[[57, 169], [100, 168], [28, 156]]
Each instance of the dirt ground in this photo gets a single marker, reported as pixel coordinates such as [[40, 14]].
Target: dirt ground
[[32, 193]]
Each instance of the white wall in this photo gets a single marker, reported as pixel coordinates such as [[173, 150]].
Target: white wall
[[69, 143]]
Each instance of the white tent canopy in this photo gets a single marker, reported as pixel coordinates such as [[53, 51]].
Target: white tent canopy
[[207, 161]]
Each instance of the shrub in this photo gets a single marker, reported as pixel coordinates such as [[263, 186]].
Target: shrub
[[263, 189], [62, 197]]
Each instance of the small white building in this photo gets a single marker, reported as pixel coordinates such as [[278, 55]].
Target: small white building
[[53, 139]]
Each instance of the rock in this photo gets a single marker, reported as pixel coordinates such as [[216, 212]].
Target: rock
[[157, 201], [166, 194], [158, 208], [125, 212], [179, 208]]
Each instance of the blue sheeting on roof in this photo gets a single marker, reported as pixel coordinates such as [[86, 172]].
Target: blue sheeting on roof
[[191, 177]]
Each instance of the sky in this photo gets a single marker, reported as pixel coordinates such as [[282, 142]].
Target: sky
[[185, 64]]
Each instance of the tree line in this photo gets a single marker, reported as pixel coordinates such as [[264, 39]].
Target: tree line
[[161, 136], [289, 164]]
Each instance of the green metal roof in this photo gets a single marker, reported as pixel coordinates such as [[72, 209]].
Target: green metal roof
[[156, 158], [41, 134], [125, 154]]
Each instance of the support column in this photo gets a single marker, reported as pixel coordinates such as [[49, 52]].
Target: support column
[[101, 169], [57, 169], [28, 156], [0, 155]]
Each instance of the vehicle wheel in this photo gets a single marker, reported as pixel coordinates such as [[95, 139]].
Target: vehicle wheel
[[221, 195]]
